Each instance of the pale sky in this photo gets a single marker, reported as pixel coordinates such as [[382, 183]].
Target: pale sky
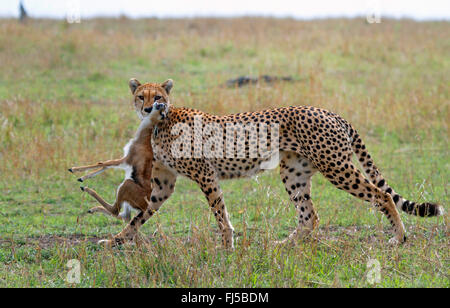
[[417, 9]]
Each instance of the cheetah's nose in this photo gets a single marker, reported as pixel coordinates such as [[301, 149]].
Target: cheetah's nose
[[148, 110]]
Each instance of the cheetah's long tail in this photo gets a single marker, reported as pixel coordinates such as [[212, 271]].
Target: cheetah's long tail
[[425, 209]]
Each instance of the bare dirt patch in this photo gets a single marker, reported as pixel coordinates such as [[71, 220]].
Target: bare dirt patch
[[49, 241], [329, 233]]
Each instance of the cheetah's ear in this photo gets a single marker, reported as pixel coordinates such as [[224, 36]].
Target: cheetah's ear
[[133, 84], [167, 85]]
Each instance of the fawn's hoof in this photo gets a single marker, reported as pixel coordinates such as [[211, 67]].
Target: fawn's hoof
[[80, 180], [70, 170], [82, 188]]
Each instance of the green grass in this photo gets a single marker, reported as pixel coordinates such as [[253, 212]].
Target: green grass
[[64, 101]]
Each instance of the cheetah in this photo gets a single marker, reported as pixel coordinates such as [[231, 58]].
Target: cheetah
[[308, 140]]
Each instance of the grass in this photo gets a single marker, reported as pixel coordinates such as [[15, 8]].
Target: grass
[[64, 101]]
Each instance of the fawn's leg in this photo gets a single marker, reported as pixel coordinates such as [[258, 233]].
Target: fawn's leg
[[132, 195], [107, 163], [163, 181], [92, 174], [106, 207]]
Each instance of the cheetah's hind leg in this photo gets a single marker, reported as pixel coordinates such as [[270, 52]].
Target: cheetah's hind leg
[[296, 173]]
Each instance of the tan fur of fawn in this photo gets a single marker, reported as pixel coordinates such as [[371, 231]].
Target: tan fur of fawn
[[137, 163]]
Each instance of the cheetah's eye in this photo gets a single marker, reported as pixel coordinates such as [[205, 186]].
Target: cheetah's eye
[[157, 97], [141, 97]]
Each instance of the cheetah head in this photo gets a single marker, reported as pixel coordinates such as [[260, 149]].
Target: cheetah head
[[151, 99]]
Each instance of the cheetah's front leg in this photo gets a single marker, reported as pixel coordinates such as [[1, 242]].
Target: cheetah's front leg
[[214, 196]]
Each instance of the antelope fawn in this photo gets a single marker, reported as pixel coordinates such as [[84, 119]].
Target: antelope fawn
[[137, 163]]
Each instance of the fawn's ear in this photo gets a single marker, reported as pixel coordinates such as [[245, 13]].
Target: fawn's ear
[[133, 84], [167, 85]]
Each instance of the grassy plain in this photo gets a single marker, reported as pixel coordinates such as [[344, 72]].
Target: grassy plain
[[64, 101]]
